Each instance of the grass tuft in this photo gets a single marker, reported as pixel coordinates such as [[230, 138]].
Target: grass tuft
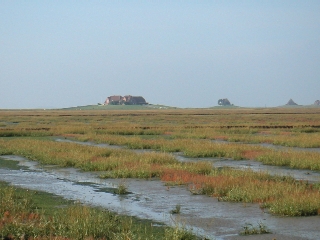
[[249, 229]]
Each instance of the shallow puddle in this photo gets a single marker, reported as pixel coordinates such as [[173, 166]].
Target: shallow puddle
[[152, 200]]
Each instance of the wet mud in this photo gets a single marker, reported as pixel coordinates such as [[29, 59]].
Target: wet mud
[[206, 216]]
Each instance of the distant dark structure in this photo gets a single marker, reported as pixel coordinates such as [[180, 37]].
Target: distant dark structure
[[291, 103], [224, 102], [317, 102]]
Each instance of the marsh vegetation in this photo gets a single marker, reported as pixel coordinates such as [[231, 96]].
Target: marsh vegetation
[[193, 133]]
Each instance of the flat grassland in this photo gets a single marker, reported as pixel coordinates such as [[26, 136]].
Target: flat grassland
[[216, 133]]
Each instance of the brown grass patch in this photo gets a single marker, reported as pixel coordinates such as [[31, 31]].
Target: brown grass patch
[[251, 154]]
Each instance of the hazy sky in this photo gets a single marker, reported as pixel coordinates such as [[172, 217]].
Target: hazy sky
[[178, 53]]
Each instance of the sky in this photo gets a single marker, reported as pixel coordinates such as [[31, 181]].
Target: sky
[[182, 53]]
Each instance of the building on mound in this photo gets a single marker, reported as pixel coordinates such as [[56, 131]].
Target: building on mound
[[317, 102], [134, 100], [126, 100], [113, 100], [224, 102], [291, 103]]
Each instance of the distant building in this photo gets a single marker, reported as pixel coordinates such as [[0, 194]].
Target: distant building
[[134, 100], [317, 102], [126, 100], [113, 100]]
